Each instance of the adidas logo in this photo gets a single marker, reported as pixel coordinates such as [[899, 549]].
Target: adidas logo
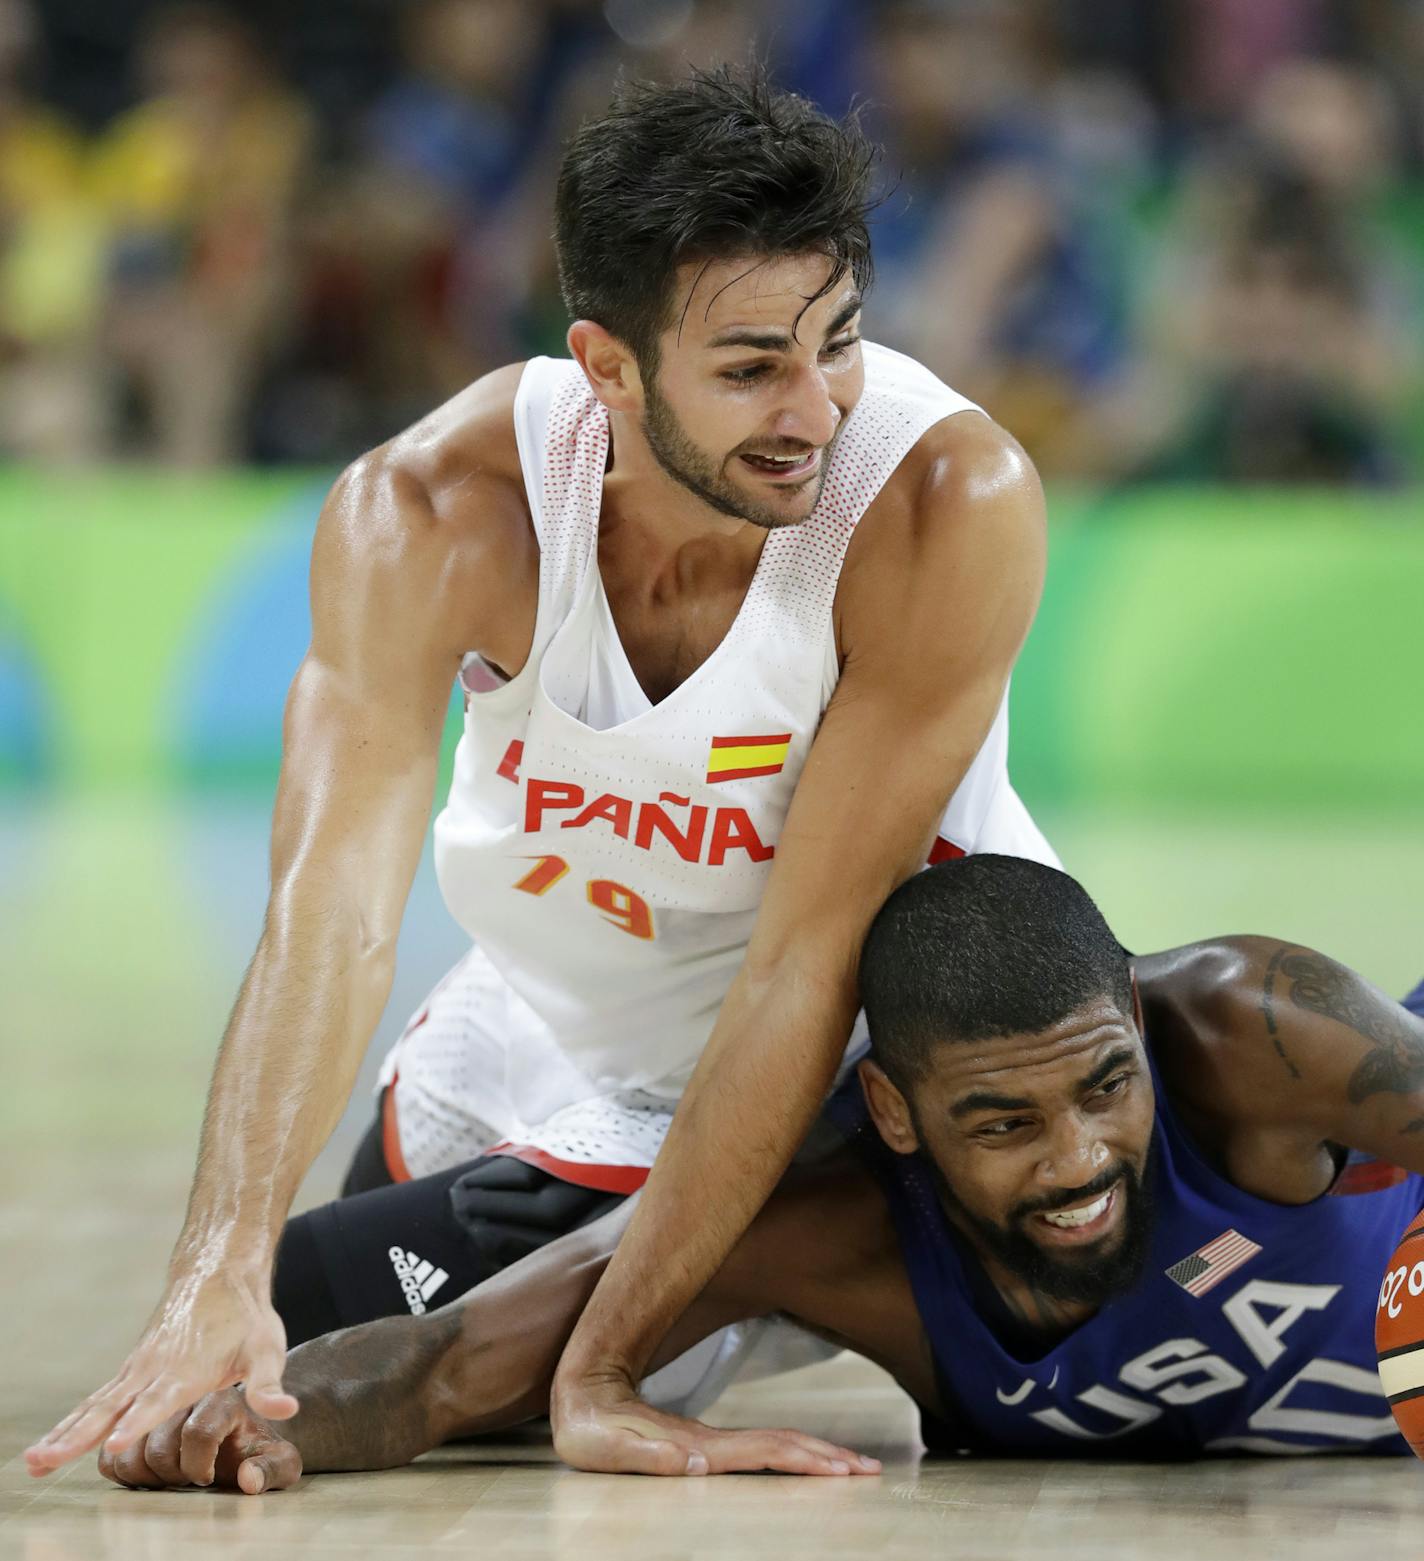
[[419, 1279]]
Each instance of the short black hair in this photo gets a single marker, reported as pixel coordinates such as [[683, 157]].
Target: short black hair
[[985, 946], [716, 165]]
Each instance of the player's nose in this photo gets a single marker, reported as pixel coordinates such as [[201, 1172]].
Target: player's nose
[[1075, 1153], [809, 413]]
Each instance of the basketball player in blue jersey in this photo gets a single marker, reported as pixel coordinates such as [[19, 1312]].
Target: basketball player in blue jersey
[[1088, 1206], [734, 599]]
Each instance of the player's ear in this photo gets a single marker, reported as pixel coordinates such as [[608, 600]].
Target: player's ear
[[889, 1109], [609, 366]]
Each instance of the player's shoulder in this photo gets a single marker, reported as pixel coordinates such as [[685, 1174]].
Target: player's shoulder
[[960, 523], [966, 458], [963, 457], [1205, 1007], [433, 528], [453, 476], [1214, 984], [964, 490], [470, 437]]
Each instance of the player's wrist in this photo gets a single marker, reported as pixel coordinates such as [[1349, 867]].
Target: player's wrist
[[591, 1371], [240, 1257]]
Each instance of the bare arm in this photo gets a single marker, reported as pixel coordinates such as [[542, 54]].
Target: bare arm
[[1358, 1054], [361, 740], [936, 608], [385, 1392], [403, 581], [379, 1395], [821, 1251]]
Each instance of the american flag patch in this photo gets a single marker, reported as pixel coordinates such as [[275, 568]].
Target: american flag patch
[[1209, 1265]]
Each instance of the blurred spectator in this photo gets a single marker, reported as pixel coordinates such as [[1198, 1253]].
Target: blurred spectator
[[1333, 123], [453, 121], [1281, 372], [50, 265], [1393, 43], [402, 302], [1226, 47], [1183, 238], [991, 267], [1339, 129], [198, 185]]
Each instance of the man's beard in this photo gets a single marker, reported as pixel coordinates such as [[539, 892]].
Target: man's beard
[[690, 468], [1090, 1277]]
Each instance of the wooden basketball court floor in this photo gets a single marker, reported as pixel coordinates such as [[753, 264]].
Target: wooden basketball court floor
[[72, 1302], [112, 991]]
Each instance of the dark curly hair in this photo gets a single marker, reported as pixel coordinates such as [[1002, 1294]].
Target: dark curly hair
[[717, 165]]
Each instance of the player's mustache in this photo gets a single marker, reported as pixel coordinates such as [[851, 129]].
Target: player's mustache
[[1062, 1200]]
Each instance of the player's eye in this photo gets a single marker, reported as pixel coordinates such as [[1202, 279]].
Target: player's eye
[[1114, 1086], [1003, 1128], [750, 373]]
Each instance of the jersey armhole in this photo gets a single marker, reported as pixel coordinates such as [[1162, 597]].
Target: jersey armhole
[[537, 386], [538, 382]]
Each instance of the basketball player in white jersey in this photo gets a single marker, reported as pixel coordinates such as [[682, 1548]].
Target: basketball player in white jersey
[[734, 598]]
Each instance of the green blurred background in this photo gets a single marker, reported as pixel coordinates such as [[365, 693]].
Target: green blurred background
[[1217, 719]]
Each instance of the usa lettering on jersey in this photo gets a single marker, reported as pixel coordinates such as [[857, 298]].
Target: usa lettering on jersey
[[1184, 1371]]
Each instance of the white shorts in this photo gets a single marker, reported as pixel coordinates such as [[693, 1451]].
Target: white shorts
[[467, 1081]]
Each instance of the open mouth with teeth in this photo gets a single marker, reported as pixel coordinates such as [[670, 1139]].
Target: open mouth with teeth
[[784, 468], [1086, 1222]]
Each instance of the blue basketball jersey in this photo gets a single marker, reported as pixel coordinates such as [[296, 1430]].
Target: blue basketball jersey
[[1250, 1329]]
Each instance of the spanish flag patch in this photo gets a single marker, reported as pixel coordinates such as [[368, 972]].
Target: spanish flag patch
[[741, 758]]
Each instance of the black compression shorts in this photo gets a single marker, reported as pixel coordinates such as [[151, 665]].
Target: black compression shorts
[[412, 1246]]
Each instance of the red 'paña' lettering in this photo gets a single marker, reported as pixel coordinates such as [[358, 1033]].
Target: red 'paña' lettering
[[732, 828], [509, 764]]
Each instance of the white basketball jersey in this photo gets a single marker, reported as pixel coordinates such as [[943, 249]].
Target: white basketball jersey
[[608, 855]]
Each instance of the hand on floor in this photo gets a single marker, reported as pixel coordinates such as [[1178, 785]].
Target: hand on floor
[[206, 1335], [604, 1426], [219, 1442]]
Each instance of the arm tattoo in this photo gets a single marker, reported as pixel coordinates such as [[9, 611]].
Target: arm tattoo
[[1394, 1063], [1268, 996]]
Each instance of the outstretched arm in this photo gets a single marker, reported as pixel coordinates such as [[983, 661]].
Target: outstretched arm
[[936, 606], [378, 1395], [403, 581]]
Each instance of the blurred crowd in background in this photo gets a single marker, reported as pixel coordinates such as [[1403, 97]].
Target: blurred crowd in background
[[1158, 239]]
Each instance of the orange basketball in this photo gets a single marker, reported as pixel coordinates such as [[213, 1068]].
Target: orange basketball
[[1399, 1334]]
